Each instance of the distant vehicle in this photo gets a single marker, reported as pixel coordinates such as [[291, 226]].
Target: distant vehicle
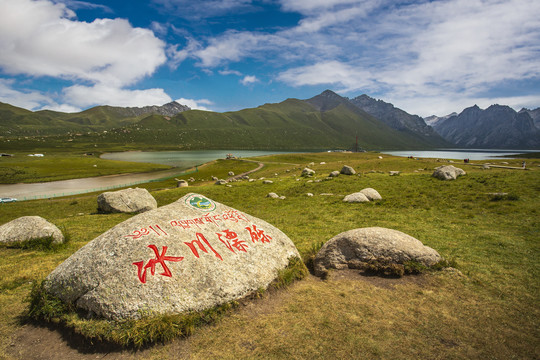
[[7, 200]]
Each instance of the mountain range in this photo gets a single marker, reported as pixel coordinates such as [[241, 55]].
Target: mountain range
[[325, 121], [497, 127]]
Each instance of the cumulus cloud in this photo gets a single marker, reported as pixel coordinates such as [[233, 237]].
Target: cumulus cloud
[[248, 80], [43, 38], [40, 38], [195, 104]]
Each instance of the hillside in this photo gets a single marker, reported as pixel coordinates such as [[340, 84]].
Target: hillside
[[400, 120], [326, 121]]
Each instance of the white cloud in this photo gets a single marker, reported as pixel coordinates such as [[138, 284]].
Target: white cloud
[[195, 104], [40, 38], [230, 72], [85, 96], [201, 9], [309, 6], [248, 80], [347, 77], [25, 99]]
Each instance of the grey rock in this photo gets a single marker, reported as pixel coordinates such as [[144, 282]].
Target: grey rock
[[268, 182], [347, 170], [334, 174], [309, 194], [29, 228], [448, 172], [231, 173], [272, 195], [190, 255], [308, 172], [356, 198], [354, 248], [394, 173], [126, 201], [214, 178], [221, 182], [182, 183], [371, 194]]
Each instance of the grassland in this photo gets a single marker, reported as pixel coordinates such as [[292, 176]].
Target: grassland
[[490, 311], [53, 167]]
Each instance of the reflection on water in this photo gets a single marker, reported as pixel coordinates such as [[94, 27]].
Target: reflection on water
[[459, 154]]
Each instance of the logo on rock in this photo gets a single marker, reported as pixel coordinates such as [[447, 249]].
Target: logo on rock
[[200, 202]]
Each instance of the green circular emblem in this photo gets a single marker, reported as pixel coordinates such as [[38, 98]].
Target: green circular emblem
[[200, 202]]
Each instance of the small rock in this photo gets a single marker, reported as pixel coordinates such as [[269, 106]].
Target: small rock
[[221, 182], [307, 172], [356, 198], [448, 172], [182, 183], [334, 173], [309, 194], [394, 173], [347, 170], [371, 194], [231, 173], [268, 182]]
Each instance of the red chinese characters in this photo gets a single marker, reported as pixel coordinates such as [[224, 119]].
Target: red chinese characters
[[160, 259], [227, 236], [144, 232], [197, 241], [258, 234], [230, 239]]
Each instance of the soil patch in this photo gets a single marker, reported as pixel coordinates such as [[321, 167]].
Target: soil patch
[[44, 342]]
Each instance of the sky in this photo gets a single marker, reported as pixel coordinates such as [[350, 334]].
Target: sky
[[425, 57]]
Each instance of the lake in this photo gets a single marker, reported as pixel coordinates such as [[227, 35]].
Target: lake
[[459, 154], [185, 159]]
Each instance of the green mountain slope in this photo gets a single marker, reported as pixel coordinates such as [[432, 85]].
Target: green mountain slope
[[326, 121]]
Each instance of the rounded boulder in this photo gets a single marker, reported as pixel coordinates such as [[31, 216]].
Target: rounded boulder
[[126, 201], [354, 249], [29, 228], [190, 255]]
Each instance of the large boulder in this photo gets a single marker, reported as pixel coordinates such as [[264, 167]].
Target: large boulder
[[190, 255], [126, 201], [356, 248], [347, 170], [28, 228], [448, 172]]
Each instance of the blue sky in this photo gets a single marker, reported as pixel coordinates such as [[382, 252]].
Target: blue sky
[[426, 57]]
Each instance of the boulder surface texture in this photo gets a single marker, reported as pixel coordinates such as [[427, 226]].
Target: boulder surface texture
[[354, 248], [371, 194], [448, 172], [126, 201], [28, 228], [190, 255]]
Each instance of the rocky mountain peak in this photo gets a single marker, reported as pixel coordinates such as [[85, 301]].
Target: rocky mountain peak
[[169, 109]]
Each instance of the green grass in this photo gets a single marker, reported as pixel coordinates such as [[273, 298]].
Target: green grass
[[52, 167], [489, 312]]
